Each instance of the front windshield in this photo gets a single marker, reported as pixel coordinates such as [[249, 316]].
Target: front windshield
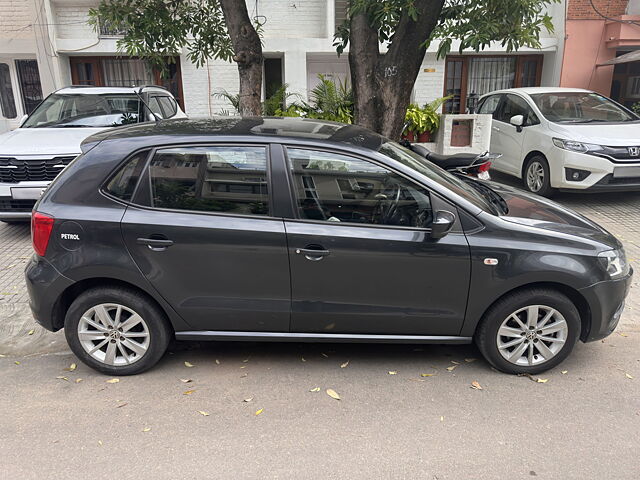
[[85, 110], [580, 107], [437, 174]]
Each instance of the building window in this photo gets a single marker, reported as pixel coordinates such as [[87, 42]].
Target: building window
[[30, 88], [7, 103], [482, 74], [341, 10], [109, 29]]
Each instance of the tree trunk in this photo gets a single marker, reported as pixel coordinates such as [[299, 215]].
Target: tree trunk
[[248, 55], [382, 84]]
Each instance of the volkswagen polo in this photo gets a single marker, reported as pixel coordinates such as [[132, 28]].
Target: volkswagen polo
[[305, 230]]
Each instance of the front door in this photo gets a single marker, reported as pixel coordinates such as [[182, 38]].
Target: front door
[[207, 241], [360, 253]]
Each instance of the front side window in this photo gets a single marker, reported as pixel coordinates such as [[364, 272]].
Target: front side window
[[168, 105], [580, 107], [337, 188], [227, 179], [514, 105], [85, 110]]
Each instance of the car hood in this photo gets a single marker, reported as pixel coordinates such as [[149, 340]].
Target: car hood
[[44, 141], [532, 210], [611, 134]]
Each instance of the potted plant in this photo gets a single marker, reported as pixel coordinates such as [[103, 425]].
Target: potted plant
[[422, 122]]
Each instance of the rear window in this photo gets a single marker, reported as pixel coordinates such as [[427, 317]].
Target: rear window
[[124, 182]]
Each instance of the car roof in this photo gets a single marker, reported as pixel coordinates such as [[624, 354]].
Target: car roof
[[534, 90], [167, 131], [89, 90]]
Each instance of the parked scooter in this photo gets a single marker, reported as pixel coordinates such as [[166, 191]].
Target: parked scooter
[[470, 164]]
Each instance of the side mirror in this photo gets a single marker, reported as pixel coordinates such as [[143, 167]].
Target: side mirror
[[517, 121], [442, 224], [22, 120]]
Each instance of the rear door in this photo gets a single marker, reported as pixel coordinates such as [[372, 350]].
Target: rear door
[[361, 257], [205, 236]]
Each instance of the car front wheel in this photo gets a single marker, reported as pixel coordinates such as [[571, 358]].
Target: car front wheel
[[537, 177], [529, 331], [116, 331]]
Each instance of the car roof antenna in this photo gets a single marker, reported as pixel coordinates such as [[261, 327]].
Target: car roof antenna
[[139, 95]]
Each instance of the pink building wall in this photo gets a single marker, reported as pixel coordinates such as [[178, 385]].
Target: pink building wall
[[585, 48]]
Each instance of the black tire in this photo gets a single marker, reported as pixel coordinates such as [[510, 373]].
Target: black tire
[[486, 336], [159, 329], [545, 188]]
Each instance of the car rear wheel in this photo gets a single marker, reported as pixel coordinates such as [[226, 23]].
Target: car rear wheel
[[529, 331], [537, 178], [116, 331]]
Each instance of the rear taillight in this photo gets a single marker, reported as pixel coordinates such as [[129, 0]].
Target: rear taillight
[[41, 226], [484, 167]]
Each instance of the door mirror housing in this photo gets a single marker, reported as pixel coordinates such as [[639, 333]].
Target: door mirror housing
[[442, 224], [517, 121]]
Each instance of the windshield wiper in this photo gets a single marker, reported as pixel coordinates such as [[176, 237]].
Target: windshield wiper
[[489, 193], [64, 125]]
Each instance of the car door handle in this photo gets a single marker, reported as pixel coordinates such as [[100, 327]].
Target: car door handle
[[312, 254], [156, 244], [497, 129]]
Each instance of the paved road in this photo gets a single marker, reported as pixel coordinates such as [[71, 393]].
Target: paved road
[[580, 424]]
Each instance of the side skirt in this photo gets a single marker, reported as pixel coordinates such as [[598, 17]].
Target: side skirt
[[318, 337]]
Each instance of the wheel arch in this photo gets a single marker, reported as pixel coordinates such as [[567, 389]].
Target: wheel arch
[[571, 293], [72, 292], [528, 157]]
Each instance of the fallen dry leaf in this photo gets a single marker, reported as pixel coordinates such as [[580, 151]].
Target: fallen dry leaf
[[442, 418], [622, 334], [203, 413], [122, 405], [248, 399], [455, 363], [542, 380], [469, 360], [146, 429], [63, 378], [628, 376], [452, 368], [17, 362], [31, 332], [302, 358], [315, 389], [188, 392], [186, 380], [475, 385], [333, 394], [245, 360], [427, 374], [258, 412], [564, 372], [243, 366], [345, 364], [243, 375], [78, 380], [324, 355], [113, 380], [217, 362], [70, 368], [100, 442], [188, 365], [2, 356]]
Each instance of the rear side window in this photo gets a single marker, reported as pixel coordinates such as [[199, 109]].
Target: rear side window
[[168, 105], [227, 179], [154, 106], [124, 182]]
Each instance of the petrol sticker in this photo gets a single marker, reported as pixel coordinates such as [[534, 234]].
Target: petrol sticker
[[70, 236]]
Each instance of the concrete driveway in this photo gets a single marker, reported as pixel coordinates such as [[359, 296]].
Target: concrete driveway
[[581, 421]]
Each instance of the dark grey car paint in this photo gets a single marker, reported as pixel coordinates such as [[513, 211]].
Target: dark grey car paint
[[237, 273]]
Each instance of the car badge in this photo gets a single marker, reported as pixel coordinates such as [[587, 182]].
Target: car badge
[[634, 151]]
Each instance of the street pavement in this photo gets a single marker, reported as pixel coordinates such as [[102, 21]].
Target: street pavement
[[580, 420]]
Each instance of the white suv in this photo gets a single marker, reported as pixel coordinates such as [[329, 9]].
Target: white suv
[[564, 138], [49, 139]]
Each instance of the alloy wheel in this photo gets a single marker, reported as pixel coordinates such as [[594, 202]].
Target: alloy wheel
[[532, 335], [113, 334], [535, 176]]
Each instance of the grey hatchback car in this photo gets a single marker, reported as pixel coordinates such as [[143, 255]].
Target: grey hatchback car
[[304, 230]]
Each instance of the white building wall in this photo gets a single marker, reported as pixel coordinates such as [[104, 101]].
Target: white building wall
[[430, 82]]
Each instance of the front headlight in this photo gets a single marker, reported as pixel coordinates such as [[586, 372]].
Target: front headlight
[[614, 262], [574, 146]]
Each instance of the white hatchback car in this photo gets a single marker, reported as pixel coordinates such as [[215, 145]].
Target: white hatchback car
[[564, 138], [49, 139]]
